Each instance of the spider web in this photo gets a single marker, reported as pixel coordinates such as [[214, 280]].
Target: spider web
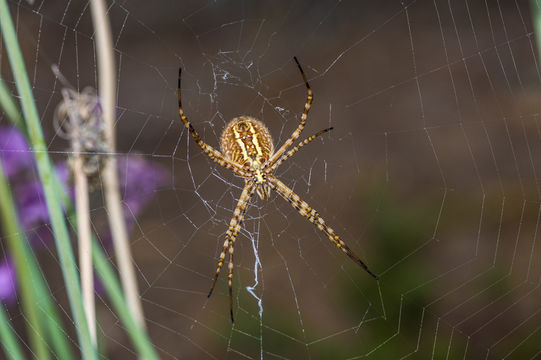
[[430, 173]]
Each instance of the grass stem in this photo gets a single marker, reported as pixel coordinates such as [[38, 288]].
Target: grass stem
[[16, 240], [7, 339]]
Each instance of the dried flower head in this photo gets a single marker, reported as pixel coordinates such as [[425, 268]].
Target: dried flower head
[[78, 118]]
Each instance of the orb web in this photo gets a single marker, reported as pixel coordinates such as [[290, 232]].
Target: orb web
[[430, 173]]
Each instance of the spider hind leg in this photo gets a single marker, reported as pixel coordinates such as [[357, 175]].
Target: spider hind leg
[[230, 237], [220, 264], [312, 215]]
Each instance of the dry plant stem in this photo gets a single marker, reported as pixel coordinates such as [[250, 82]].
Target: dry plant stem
[[107, 92], [84, 240]]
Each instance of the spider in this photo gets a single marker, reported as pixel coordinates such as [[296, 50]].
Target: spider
[[248, 151]]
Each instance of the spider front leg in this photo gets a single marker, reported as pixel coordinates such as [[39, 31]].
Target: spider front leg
[[295, 135], [230, 237], [297, 148], [212, 153], [312, 215]]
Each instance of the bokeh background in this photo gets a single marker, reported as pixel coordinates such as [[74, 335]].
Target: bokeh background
[[430, 173]]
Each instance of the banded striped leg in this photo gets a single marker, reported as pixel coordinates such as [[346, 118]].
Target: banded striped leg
[[212, 153], [312, 215], [295, 135], [230, 237], [297, 148]]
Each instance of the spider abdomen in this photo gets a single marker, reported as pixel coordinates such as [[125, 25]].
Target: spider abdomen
[[247, 141]]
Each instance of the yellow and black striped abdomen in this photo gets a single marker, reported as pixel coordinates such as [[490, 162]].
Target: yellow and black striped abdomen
[[246, 141]]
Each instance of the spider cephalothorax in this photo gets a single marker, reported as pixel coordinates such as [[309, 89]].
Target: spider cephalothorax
[[248, 151]]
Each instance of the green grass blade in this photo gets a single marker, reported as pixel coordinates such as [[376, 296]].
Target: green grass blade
[[8, 341], [10, 107], [50, 317], [139, 337], [536, 15], [49, 314], [45, 171], [16, 241]]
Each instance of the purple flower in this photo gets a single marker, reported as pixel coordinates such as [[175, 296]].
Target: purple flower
[[138, 180], [8, 282], [30, 203], [15, 153]]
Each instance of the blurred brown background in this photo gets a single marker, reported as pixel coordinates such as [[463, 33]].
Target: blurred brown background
[[430, 174]]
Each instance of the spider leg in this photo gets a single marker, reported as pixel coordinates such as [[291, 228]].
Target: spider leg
[[312, 215], [297, 148], [212, 153], [295, 135], [220, 261], [230, 279], [231, 236]]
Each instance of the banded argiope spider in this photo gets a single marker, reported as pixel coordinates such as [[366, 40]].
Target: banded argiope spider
[[248, 151]]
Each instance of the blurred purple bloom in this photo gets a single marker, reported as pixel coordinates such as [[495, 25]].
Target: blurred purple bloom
[[31, 204], [8, 282], [138, 180], [15, 153]]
